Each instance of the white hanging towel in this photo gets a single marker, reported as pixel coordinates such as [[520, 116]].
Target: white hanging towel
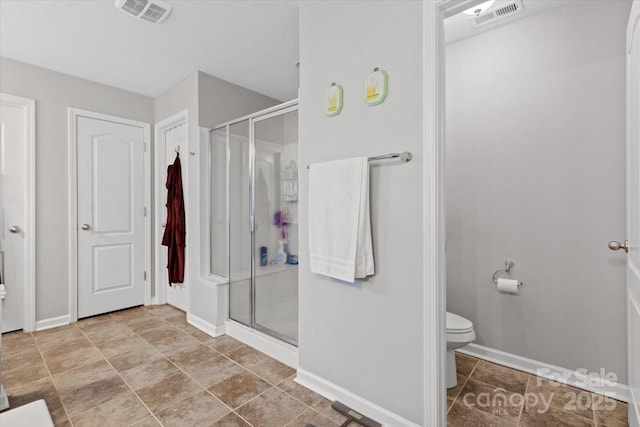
[[339, 223]]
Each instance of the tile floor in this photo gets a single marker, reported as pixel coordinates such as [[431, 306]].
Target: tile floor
[[147, 367], [492, 395]]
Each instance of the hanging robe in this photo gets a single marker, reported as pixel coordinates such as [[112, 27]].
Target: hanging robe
[[174, 233]]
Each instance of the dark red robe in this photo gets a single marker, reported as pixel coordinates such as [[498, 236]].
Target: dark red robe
[[174, 233]]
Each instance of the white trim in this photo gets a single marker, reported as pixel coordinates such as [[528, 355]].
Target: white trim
[[73, 114], [53, 322], [204, 326], [545, 370], [332, 391], [434, 226], [29, 287], [180, 118], [279, 350]]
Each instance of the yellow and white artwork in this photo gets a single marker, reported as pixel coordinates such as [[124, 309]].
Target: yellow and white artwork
[[333, 100], [375, 87]]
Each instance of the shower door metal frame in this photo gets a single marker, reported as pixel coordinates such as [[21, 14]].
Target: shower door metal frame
[[265, 114]]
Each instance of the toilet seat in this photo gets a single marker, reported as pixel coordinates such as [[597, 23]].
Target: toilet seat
[[458, 324]]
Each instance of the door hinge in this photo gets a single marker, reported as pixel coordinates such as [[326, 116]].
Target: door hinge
[[144, 146], [145, 211], [145, 276]]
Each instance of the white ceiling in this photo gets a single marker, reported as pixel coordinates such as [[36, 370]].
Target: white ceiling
[[457, 27], [253, 44]]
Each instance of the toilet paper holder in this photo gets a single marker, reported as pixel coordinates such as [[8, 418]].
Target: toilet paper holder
[[508, 265]]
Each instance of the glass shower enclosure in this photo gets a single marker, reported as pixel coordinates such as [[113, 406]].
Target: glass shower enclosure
[[254, 182]]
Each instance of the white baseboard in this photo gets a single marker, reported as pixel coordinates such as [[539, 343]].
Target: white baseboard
[[279, 350], [53, 322], [573, 378], [204, 326], [332, 391]]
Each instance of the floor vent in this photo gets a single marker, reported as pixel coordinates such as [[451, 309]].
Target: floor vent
[[492, 15], [154, 11]]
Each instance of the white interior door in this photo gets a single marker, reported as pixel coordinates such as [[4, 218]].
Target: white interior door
[[111, 223], [13, 217], [633, 213], [175, 140]]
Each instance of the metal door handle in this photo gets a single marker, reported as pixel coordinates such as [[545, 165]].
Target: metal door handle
[[614, 246], [15, 229], [85, 226]]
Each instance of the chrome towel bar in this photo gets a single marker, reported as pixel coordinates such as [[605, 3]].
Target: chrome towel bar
[[405, 157]]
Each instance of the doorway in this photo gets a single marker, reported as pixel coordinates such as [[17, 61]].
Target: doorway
[[109, 199], [17, 212]]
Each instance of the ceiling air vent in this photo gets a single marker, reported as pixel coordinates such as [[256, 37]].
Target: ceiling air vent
[[154, 11], [496, 14]]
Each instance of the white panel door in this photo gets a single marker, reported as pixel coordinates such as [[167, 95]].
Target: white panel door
[[633, 213], [12, 213], [111, 223], [175, 140]]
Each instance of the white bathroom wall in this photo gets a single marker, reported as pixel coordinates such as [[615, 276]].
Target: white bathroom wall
[[367, 340], [54, 93], [536, 172]]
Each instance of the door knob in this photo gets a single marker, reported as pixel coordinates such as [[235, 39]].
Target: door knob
[[615, 246], [15, 229], [85, 226]]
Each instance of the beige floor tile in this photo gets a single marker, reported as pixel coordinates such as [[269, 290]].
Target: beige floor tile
[[21, 359], [274, 408], [164, 310], [130, 359], [147, 422], [501, 376], [324, 407], [150, 373], [177, 344], [131, 315], [147, 323], [63, 347], [552, 417], [123, 410], [238, 389], [610, 412], [229, 420], [160, 334], [83, 375], [461, 415], [57, 335], [73, 359], [465, 364], [121, 345], [21, 376], [20, 342], [167, 391], [189, 411], [213, 371], [492, 400], [84, 397], [311, 416], [261, 364], [40, 389], [179, 321], [562, 396], [453, 392], [224, 344], [192, 356], [103, 334], [299, 392]]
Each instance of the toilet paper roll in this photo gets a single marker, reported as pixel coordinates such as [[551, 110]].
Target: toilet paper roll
[[508, 286]]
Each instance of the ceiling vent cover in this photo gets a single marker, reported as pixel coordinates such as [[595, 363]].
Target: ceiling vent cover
[[154, 11], [496, 14]]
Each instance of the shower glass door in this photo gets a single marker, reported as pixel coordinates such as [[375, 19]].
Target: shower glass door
[[275, 173], [239, 205], [257, 158]]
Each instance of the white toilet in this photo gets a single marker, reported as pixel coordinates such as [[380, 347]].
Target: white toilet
[[459, 333]]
